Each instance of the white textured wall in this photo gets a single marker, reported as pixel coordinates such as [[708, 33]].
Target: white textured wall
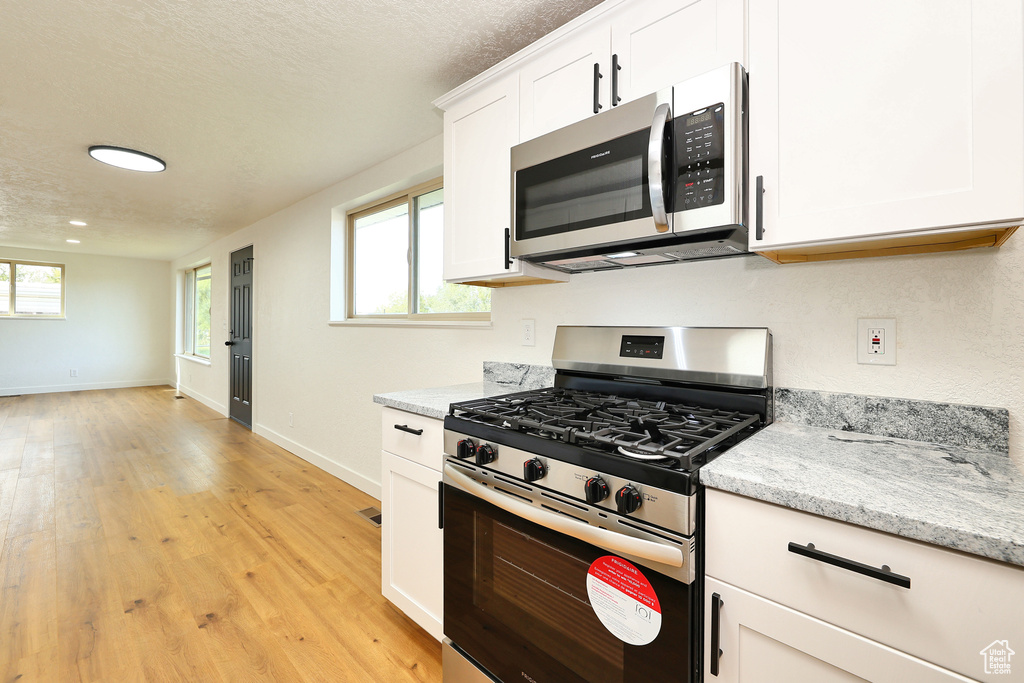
[[117, 332], [960, 320]]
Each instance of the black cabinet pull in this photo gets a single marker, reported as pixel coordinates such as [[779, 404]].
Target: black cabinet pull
[[615, 80], [716, 631], [597, 80], [508, 248], [883, 574], [759, 201], [440, 505], [407, 428]]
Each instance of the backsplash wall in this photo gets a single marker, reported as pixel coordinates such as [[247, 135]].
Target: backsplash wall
[[959, 330]]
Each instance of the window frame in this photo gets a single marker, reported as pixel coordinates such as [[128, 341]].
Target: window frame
[[12, 291], [407, 197], [189, 327]]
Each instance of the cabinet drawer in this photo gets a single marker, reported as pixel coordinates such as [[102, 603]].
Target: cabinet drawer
[[398, 436], [956, 606]]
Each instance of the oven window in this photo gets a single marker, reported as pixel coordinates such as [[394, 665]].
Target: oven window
[[516, 600], [597, 186], [549, 595]]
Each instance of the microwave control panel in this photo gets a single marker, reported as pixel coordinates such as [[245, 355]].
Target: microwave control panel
[[700, 158]]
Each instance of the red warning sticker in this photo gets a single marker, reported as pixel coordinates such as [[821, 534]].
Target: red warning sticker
[[624, 600]]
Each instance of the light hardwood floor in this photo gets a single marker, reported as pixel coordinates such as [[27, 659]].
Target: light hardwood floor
[[144, 538]]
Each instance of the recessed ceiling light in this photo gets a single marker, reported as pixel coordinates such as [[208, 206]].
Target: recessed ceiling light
[[127, 158], [74, 241], [78, 223]]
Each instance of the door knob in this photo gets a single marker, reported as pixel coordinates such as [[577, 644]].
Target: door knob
[[229, 343]]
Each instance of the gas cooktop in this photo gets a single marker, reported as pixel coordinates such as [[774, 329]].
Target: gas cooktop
[[671, 435]]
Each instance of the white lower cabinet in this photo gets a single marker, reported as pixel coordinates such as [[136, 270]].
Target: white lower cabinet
[[832, 612], [411, 543], [764, 642]]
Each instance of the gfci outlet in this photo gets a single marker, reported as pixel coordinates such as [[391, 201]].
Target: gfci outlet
[[876, 341], [529, 332]]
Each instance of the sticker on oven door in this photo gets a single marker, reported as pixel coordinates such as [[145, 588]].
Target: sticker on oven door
[[624, 600]]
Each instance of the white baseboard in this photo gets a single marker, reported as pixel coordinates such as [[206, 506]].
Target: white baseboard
[[57, 388], [347, 475], [205, 400]]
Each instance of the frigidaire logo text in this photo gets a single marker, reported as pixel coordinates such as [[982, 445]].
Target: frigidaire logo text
[[602, 154], [528, 677]]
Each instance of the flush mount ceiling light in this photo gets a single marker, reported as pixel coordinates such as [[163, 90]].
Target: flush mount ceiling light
[[127, 158], [74, 241], [78, 223]]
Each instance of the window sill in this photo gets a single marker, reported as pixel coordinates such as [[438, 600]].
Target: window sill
[[194, 359], [32, 317], [381, 322]]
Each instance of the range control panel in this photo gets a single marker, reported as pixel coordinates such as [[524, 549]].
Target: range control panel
[[638, 346], [700, 157]]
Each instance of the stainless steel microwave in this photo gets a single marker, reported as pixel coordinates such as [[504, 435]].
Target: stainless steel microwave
[[656, 180]]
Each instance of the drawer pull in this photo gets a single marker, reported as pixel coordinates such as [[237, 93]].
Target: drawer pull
[[883, 574], [407, 428], [716, 631]]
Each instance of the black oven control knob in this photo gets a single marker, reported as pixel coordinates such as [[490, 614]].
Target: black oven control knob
[[534, 470], [596, 490], [465, 449], [627, 499], [485, 454]]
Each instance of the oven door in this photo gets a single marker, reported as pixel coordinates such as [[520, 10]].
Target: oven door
[[595, 184], [527, 602]]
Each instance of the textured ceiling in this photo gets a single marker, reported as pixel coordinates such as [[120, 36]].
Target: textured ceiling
[[253, 104]]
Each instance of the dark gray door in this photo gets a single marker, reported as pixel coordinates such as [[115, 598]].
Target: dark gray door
[[240, 339]]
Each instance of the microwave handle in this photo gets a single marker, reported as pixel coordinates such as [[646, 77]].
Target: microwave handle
[[655, 172], [609, 540]]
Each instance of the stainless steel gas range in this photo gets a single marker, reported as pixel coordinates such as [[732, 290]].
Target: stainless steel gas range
[[573, 515]]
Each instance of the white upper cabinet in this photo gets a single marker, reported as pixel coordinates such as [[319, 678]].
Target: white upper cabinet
[[634, 49], [659, 43], [479, 132], [566, 82], [885, 125]]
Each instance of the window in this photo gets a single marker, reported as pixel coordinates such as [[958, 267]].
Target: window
[[395, 260], [31, 290], [197, 311]]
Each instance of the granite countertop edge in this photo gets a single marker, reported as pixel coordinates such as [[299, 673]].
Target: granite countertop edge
[[966, 501], [434, 401]]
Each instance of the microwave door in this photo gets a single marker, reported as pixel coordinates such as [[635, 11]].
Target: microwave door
[[587, 187]]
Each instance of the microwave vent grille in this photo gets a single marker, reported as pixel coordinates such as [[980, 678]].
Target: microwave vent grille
[[705, 252]]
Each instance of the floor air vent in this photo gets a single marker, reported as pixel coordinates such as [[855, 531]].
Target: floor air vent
[[371, 515]]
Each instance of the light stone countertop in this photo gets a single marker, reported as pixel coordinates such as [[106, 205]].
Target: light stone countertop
[[950, 496], [434, 402]]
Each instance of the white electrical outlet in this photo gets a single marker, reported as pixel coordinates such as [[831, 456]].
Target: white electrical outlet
[[74, 373], [529, 332], [291, 419], [876, 341]]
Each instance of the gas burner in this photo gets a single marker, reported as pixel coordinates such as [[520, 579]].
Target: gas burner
[[664, 434]]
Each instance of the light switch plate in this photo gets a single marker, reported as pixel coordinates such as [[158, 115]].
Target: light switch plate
[[876, 341]]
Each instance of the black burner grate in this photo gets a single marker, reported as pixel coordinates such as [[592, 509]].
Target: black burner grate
[[674, 435]]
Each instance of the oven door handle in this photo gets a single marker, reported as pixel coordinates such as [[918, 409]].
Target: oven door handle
[[609, 540]]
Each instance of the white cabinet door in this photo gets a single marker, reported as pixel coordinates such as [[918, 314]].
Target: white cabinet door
[[557, 86], [880, 118], [764, 642], [659, 43], [479, 132], [478, 135], [411, 544]]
